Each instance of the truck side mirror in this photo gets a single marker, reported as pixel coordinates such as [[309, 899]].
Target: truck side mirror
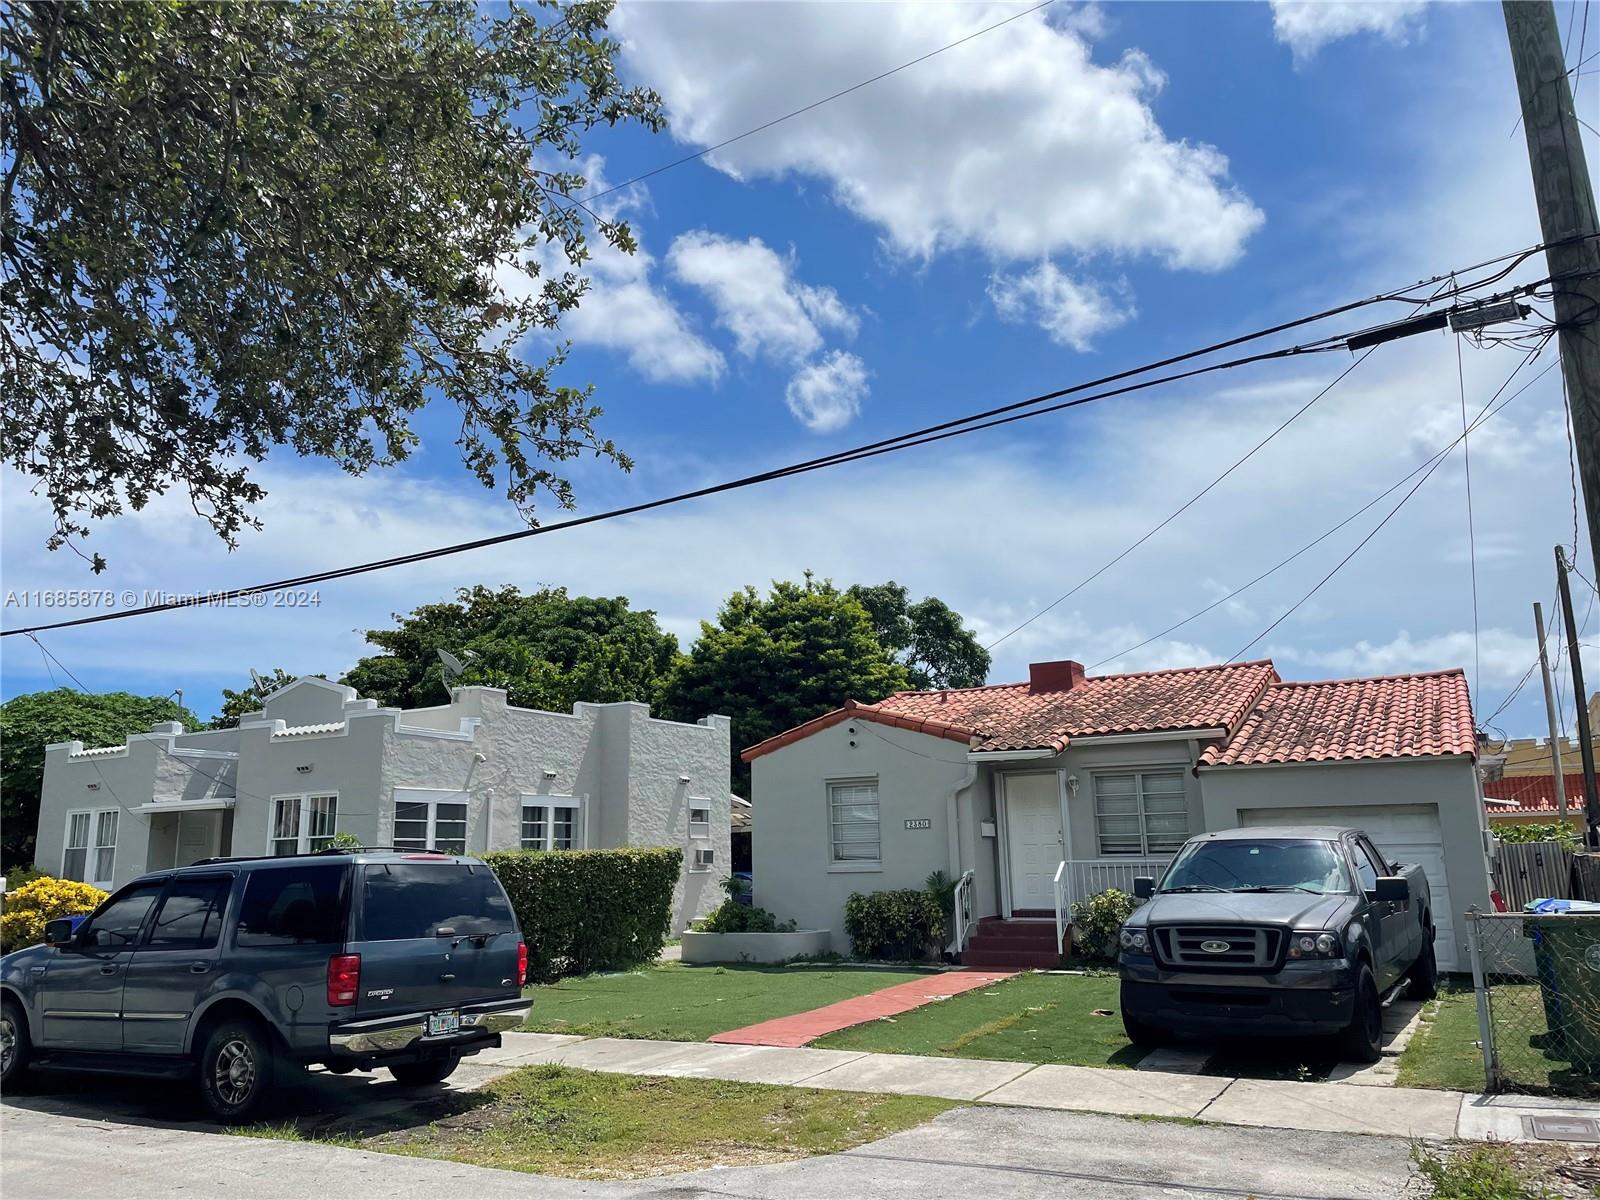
[[1143, 887], [1391, 889], [59, 932]]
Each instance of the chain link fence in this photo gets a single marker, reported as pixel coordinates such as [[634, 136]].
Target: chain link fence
[[1536, 983]]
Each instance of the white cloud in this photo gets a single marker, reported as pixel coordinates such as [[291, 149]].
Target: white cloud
[[1305, 26], [1503, 655], [826, 395], [756, 296], [1018, 143], [1072, 311]]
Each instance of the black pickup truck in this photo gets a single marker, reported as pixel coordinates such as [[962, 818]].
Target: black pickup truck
[[1288, 930]]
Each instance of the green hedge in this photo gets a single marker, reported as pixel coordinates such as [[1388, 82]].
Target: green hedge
[[589, 910], [906, 924]]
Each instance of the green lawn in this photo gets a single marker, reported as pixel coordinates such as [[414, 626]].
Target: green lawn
[[1444, 1053], [557, 1121], [1071, 1019], [689, 1004]]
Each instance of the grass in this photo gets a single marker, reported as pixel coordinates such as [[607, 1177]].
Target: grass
[[554, 1120], [1478, 1173], [1445, 1054], [680, 1003], [1071, 1019]]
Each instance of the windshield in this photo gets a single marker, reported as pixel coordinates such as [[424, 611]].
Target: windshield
[[1268, 865], [405, 901]]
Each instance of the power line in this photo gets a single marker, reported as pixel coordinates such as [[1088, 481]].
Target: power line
[[1376, 529], [856, 87], [927, 435]]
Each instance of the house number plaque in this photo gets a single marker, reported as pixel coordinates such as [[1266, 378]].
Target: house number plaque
[[920, 823]]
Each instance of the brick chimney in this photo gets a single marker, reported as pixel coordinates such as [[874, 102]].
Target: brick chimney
[[1054, 676]]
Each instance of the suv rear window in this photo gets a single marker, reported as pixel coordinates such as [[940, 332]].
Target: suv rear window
[[292, 906], [400, 901]]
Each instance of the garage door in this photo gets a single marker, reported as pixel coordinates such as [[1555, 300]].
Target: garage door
[[1406, 833]]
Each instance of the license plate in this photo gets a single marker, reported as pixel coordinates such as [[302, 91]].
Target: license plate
[[444, 1022]]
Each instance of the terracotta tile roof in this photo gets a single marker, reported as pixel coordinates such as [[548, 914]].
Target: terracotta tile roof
[[852, 711], [1015, 716], [1533, 793], [1342, 720], [1012, 716]]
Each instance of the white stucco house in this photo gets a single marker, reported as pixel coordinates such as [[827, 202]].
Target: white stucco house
[[470, 776], [1048, 790]]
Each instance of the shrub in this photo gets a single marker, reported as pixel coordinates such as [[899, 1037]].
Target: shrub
[[1553, 831], [19, 876], [943, 889], [1098, 919], [904, 924], [29, 908], [589, 910], [734, 916]]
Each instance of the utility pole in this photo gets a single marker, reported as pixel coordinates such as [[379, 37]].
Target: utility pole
[[1591, 801], [1550, 713], [1565, 196]]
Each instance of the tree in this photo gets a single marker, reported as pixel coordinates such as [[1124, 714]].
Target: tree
[[250, 699], [234, 226], [547, 649], [927, 637], [771, 662], [30, 722]]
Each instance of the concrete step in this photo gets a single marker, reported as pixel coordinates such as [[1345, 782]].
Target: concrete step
[[1018, 930], [1011, 957]]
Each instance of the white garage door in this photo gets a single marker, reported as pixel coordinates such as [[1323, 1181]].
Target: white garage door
[[1406, 833]]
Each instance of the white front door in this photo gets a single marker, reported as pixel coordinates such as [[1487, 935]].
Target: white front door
[[1033, 837]]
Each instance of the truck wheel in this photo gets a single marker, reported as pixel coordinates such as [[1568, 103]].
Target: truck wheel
[[1422, 981], [1143, 1035], [15, 1048], [429, 1070], [236, 1071], [1363, 1040]]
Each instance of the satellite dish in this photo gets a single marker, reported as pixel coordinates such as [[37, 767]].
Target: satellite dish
[[256, 681], [453, 666]]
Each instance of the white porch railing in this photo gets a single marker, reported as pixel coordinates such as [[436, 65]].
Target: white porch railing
[[1061, 906], [1080, 877], [962, 913]]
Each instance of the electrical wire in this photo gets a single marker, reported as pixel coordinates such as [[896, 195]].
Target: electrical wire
[[1376, 529]]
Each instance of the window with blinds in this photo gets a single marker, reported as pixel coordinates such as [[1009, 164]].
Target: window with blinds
[[1140, 812], [853, 817]]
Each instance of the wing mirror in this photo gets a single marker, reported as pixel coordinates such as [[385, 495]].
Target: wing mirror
[[1390, 889], [60, 931], [1144, 886]]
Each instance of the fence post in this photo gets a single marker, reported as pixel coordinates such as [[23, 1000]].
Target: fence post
[[1480, 986]]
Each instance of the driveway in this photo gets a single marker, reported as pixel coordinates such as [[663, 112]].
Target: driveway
[[144, 1141]]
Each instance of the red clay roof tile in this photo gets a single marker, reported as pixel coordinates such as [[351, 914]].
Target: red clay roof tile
[[1534, 793]]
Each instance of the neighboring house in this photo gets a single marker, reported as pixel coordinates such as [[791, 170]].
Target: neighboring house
[[1053, 789], [741, 819], [1531, 799], [470, 776], [1504, 759]]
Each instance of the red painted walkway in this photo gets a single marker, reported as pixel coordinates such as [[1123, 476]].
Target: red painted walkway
[[891, 1001]]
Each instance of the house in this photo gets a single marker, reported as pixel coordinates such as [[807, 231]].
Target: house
[[1066, 784], [1531, 799], [474, 775]]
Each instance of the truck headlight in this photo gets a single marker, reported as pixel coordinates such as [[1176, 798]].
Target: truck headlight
[[1313, 944], [1133, 939]]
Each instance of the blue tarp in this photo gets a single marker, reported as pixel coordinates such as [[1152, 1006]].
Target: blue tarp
[[1562, 906]]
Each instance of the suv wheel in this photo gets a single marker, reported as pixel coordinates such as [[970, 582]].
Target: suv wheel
[[1423, 978], [1363, 1040], [236, 1071], [429, 1070], [1144, 1036], [15, 1048]]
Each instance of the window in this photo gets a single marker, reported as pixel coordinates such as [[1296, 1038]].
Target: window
[[549, 822], [86, 861], [408, 901], [1367, 870], [292, 906], [190, 914], [699, 818], [117, 924], [430, 825], [1140, 812], [303, 824], [704, 857], [853, 817]]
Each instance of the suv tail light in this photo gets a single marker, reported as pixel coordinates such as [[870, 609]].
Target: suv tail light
[[522, 963], [344, 979]]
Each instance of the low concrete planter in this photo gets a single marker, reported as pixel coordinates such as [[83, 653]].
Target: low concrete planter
[[752, 947]]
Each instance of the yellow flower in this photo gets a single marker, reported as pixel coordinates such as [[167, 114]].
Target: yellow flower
[[34, 905]]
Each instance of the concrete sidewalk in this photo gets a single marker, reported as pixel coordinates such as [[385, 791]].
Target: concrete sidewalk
[[1279, 1104]]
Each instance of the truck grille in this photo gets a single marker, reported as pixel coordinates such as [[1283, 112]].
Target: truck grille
[[1243, 946]]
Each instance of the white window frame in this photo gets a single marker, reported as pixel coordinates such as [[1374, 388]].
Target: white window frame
[[432, 799], [1138, 774], [700, 830], [550, 803], [835, 860], [705, 858], [302, 831], [92, 847]]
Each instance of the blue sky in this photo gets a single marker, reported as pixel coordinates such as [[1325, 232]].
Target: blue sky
[[1087, 188]]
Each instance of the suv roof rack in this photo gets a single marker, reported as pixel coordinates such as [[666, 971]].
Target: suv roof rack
[[239, 858]]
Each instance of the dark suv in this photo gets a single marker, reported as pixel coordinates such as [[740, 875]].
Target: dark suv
[[241, 969]]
